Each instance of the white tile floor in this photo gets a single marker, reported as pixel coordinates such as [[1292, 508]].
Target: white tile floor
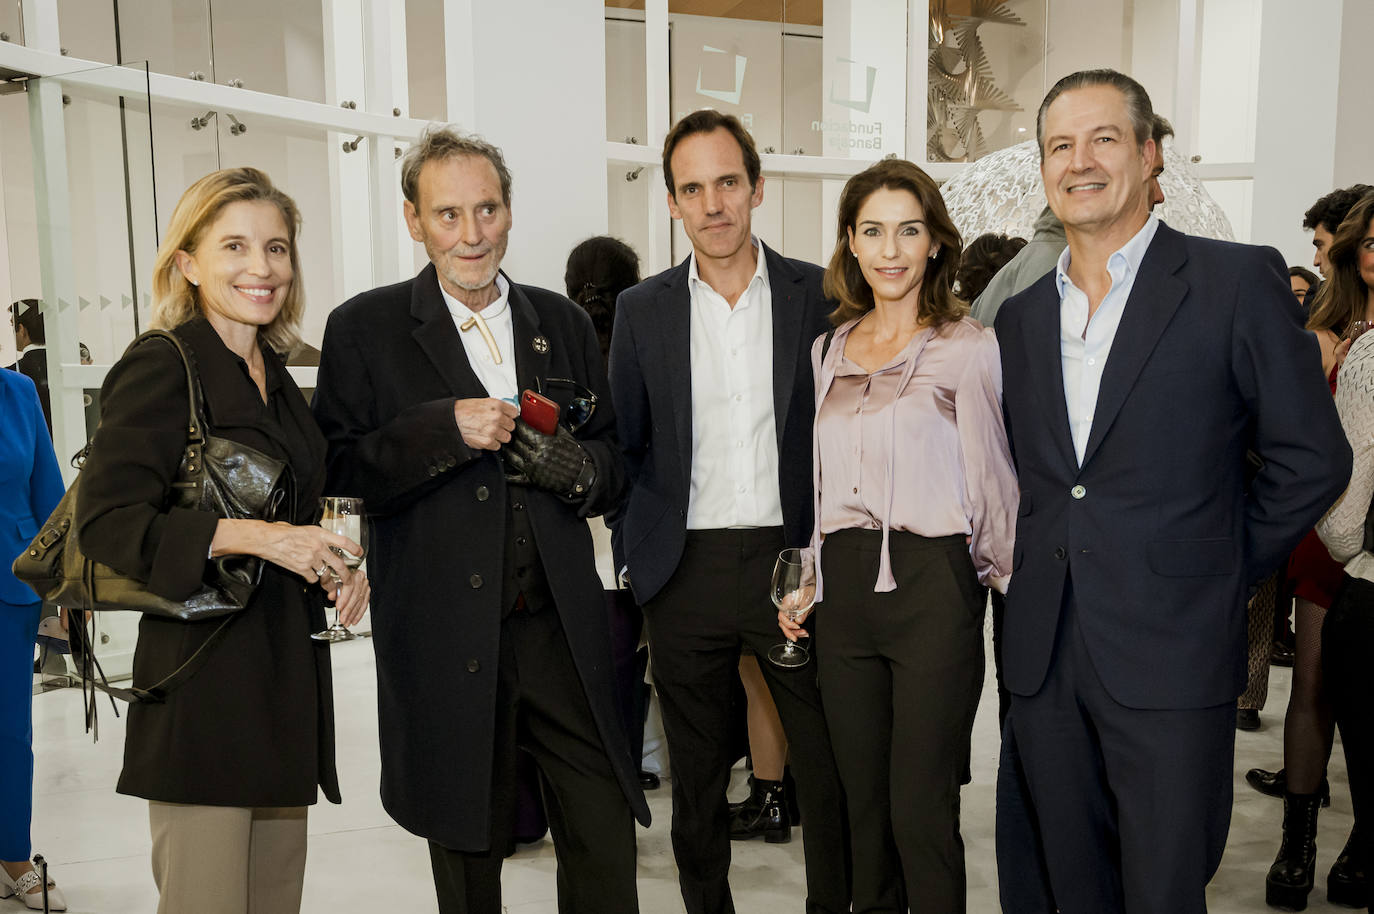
[[97, 841]]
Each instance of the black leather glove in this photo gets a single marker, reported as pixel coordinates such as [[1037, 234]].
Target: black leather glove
[[554, 462]]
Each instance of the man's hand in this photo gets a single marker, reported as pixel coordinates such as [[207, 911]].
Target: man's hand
[[485, 423], [555, 462]]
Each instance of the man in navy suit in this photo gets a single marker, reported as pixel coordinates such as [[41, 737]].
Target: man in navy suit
[[711, 376], [1136, 375]]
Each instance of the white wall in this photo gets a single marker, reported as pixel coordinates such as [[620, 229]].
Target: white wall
[[539, 91]]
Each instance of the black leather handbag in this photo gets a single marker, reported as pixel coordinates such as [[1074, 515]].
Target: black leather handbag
[[216, 474]]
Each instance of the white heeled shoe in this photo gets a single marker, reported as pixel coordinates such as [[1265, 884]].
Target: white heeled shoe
[[24, 886]]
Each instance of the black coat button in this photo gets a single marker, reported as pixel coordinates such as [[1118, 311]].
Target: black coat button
[[1060, 553], [519, 506], [520, 541], [473, 666], [476, 579], [432, 470], [482, 493]]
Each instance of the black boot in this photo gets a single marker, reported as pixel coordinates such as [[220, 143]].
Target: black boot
[[1290, 878], [1275, 784], [764, 813], [1347, 883]]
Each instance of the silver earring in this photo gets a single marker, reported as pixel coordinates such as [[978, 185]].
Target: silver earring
[[194, 283]]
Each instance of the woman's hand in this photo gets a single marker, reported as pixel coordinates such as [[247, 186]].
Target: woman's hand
[[792, 630], [351, 596], [304, 550]]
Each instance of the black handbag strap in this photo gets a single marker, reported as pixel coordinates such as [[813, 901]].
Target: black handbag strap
[[156, 693], [195, 423]]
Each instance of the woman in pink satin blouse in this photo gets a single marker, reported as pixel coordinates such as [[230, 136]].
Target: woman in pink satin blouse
[[915, 509]]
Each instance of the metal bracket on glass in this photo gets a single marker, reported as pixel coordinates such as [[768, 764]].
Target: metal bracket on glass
[[352, 145], [234, 83], [633, 175], [236, 128], [200, 123], [768, 150], [197, 75], [633, 141], [349, 104]]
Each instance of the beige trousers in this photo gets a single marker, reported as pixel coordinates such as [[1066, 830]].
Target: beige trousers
[[227, 859]]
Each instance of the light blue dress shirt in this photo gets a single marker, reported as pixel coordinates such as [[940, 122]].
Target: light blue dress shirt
[[1085, 344]]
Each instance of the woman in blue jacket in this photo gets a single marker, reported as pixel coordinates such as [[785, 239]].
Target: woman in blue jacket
[[30, 487]]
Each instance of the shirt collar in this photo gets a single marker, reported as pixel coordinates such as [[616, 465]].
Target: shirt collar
[[490, 312], [760, 270], [32, 347], [1123, 262]]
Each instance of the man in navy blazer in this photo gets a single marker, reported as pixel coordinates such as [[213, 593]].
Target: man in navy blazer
[[1136, 375], [712, 383]]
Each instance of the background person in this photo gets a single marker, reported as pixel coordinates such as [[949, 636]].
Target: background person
[[30, 487], [31, 341], [1348, 628], [1303, 282], [233, 756], [984, 257], [903, 557]]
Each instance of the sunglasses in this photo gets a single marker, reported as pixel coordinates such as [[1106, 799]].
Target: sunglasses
[[577, 401]]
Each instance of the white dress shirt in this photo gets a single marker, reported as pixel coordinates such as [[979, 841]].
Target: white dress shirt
[[734, 438], [1083, 344], [499, 380]]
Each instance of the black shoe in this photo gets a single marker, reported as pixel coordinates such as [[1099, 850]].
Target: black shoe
[[1247, 719], [648, 780], [1290, 878], [764, 813], [1274, 783], [1347, 884], [1281, 654]]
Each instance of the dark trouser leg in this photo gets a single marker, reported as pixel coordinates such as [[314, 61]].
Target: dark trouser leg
[[593, 828], [901, 674], [811, 759], [1135, 803], [1347, 646], [1023, 881], [999, 611], [470, 882], [694, 645]]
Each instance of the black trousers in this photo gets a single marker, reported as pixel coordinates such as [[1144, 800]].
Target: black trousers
[[1133, 804], [901, 674], [541, 708], [716, 601], [1347, 652]]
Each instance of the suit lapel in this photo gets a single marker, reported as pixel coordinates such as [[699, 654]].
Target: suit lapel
[[439, 339], [674, 316], [788, 307], [531, 355], [1041, 338], [1154, 298]]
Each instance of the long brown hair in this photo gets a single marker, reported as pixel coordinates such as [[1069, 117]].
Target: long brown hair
[[1344, 297], [844, 280], [175, 300]]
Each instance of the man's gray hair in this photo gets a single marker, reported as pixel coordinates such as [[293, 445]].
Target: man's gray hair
[[444, 141], [1138, 107]]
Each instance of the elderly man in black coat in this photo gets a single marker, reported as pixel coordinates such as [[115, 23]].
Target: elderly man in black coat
[[490, 627]]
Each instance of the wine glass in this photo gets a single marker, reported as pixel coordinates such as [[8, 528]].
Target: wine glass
[[345, 517], [1359, 327], [794, 590]]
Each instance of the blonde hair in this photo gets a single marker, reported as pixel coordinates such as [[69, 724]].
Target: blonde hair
[[175, 300]]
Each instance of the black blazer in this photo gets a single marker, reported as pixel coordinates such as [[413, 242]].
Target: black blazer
[[255, 725], [34, 363], [651, 378], [1156, 530], [392, 367]]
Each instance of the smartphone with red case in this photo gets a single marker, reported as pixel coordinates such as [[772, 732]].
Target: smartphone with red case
[[539, 412]]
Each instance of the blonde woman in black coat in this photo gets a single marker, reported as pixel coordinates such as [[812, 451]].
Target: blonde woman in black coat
[[232, 758]]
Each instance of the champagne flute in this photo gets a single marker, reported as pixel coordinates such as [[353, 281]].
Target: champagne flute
[[344, 516], [794, 591]]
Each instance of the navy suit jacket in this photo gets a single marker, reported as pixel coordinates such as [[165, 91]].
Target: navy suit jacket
[[1157, 530], [651, 381], [30, 484]]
